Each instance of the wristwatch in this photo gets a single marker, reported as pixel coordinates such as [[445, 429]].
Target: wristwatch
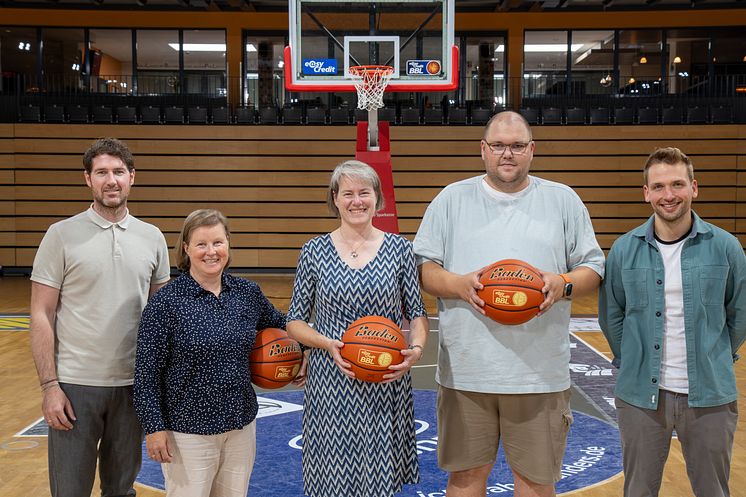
[[568, 286]]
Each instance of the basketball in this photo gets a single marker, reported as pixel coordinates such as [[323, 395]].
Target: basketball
[[372, 344], [512, 291], [275, 359]]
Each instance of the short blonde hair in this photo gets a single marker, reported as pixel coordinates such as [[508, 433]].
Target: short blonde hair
[[670, 156], [197, 219], [357, 170]]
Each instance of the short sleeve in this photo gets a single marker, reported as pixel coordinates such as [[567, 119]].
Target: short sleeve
[[162, 271], [49, 262], [430, 241], [410, 284], [304, 287], [581, 247]]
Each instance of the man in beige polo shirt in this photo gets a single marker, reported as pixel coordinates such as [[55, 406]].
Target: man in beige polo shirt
[[92, 276]]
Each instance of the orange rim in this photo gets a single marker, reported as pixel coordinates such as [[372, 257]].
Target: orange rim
[[363, 70]]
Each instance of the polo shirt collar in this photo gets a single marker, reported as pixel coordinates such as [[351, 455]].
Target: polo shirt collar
[[105, 223]]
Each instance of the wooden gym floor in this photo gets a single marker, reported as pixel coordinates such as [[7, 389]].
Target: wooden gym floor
[[23, 466]]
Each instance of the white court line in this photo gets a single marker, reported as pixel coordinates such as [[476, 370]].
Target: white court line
[[20, 433], [590, 346]]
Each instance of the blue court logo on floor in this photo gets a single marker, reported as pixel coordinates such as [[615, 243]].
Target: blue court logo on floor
[[593, 452]]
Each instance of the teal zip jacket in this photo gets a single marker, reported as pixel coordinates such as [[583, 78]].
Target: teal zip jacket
[[632, 313]]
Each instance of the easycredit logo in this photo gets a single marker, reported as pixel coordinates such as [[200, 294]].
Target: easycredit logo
[[319, 66], [423, 67]]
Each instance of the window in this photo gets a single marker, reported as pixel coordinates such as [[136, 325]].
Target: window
[[111, 60], [18, 52], [204, 63], [687, 51], [545, 62], [157, 62], [640, 62], [263, 74], [484, 76], [592, 69], [62, 55]]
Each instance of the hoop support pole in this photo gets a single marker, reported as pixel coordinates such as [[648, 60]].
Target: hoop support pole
[[386, 219]]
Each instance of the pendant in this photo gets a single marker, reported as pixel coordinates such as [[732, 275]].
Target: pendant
[[353, 254]]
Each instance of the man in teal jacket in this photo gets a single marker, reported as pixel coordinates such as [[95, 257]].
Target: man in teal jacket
[[673, 308]]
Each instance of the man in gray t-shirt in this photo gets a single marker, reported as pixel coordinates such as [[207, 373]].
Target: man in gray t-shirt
[[92, 276], [491, 375]]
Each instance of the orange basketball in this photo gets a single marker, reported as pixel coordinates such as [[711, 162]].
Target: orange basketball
[[372, 344], [275, 359], [512, 291]]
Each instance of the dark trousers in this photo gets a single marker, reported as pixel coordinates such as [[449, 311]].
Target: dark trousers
[[705, 433], [106, 429]]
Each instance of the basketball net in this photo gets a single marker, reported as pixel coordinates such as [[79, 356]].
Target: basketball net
[[370, 83]]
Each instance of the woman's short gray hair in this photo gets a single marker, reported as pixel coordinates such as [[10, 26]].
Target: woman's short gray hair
[[353, 169]]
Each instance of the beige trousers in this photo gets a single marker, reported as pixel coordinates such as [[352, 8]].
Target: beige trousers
[[210, 465]]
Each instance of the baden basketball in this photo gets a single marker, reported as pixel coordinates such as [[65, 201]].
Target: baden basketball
[[275, 359], [512, 291], [372, 344]]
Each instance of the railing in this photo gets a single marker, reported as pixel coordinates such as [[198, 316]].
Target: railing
[[716, 99]]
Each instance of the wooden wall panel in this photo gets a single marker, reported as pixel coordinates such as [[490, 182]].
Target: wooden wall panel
[[8, 257], [271, 181]]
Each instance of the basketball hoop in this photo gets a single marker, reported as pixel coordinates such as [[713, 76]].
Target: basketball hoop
[[370, 83]]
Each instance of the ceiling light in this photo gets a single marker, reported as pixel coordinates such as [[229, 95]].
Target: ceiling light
[[199, 47], [545, 47], [677, 60], [207, 47], [631, 80], [643, 60]]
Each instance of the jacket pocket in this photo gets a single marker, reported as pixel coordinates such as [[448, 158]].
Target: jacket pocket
[[712, 282], [635, 287]]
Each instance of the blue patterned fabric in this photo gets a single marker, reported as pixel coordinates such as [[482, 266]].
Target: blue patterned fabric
[[358, 437], [192, 369]]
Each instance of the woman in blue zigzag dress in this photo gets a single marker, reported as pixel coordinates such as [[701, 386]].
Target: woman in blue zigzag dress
[[358, 437]]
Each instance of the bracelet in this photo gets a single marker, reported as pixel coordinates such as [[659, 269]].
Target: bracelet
[[48, 381], [417, 346], [48, 386]]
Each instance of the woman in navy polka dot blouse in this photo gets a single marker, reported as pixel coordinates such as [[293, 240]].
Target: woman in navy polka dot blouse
[[193, 390]]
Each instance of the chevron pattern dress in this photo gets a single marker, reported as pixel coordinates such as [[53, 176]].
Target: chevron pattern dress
[[358, 437]]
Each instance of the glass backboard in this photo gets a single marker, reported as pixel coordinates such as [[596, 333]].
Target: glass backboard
[[415, 37]]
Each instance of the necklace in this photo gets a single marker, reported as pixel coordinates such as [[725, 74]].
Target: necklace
[[354, 249]]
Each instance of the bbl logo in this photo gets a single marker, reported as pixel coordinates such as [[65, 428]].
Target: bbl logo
[[503, 297], [373, 358], [286, 372], [319, 66], [423, 68]]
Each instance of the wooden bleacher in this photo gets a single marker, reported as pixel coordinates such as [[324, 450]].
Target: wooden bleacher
[[271, 180]]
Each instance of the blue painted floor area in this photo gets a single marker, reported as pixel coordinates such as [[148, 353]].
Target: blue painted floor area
[[593, 453]]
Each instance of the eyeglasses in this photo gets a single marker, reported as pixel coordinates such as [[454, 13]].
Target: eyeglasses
[[517, 148]]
